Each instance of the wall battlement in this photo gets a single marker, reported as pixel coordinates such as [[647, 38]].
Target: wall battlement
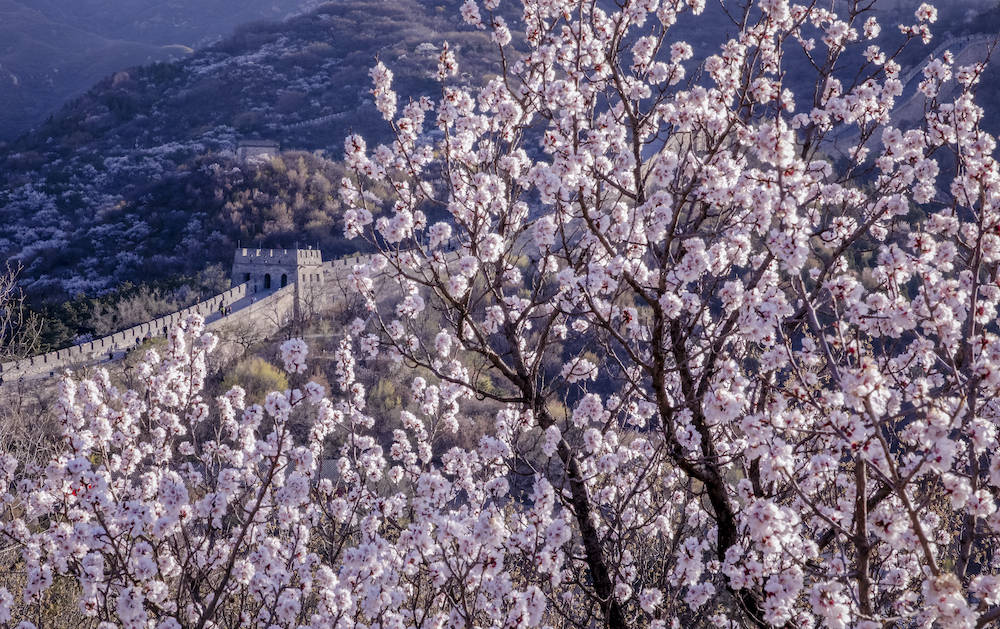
[[306, 274], [269, 269], [51, 362], [278, 256]]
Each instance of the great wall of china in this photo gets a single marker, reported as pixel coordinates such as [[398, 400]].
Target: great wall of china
[[277, 305], [964, 42], [252, 298]]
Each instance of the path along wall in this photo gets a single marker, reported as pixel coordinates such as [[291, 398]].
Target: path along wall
[[269, 314], [266, 316], [46, 364]]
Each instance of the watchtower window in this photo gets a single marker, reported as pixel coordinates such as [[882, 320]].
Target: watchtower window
[[267, 281], [284, 280], [246, 277]]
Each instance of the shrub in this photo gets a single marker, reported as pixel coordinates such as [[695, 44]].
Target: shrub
[[257, 377]]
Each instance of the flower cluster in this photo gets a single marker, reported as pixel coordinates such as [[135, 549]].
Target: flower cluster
[[730, 311], [669, 360]]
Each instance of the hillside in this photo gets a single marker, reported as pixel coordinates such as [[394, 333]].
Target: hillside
[[132, 179], [55, 49], [136, 180]]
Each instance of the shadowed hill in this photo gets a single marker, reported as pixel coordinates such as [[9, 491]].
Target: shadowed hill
[[54, 49], [137, 178]]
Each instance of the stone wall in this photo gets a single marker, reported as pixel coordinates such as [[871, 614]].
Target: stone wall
[[280, 267], [268, 314], [50, 363], [957, 44]]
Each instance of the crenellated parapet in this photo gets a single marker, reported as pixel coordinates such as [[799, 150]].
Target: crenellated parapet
[[270, 269], [268, 284], [51, 362]]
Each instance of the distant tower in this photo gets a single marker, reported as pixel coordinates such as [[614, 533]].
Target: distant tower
[[267, 270], [257, 150]]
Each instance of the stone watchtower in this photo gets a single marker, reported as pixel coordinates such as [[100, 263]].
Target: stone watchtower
[[268, 270]]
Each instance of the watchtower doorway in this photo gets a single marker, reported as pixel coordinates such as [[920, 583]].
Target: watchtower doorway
[[267, 281], [284, 280]]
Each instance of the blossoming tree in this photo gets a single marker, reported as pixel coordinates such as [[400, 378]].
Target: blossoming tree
[[710, 406]]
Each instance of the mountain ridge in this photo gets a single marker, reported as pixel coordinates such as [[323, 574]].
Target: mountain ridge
[[56, 49], [137, 178]]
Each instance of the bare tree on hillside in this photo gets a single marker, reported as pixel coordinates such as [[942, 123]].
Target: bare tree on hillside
[[20, 329]]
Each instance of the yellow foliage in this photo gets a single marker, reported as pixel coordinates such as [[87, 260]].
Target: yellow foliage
[[257, 377]]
